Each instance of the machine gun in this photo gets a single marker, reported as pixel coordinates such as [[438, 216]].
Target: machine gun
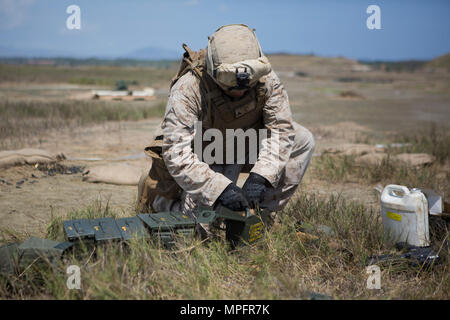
[[243, 227], [416, 256]]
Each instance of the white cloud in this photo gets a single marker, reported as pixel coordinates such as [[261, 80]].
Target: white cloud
[[13, 12]]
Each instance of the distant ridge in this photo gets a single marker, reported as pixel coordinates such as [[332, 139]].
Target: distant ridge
[[153, 53], [440, 62], [7, 52], [148, 53]]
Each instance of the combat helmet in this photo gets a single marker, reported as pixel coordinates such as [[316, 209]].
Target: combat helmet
[[234, 59]]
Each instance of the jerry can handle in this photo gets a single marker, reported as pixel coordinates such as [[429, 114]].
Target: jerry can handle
[[397, 191]]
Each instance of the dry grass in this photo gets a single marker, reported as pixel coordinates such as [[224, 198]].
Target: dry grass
[[280, 266], [434, 141], [337, 168], [21, 121], [86, 75]]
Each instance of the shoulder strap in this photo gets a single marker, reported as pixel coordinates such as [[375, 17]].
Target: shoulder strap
[[194, 61], [191, 61], [261, 91]]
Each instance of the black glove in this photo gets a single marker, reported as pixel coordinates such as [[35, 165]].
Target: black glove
[[233, 198], [254, 188]]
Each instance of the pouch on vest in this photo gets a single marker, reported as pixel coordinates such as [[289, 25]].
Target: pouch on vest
[[159, 181]]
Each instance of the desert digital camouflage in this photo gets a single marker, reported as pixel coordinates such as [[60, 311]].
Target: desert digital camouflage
[[195, 95]]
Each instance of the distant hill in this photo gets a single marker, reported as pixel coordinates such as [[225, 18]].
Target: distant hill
[[440, 62], [148, 53], [153, 53], [7, 52]]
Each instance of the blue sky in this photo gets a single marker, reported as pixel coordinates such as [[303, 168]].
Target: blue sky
[[410, 29]]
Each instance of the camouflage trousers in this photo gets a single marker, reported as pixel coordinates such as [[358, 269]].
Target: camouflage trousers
[[275, 199]]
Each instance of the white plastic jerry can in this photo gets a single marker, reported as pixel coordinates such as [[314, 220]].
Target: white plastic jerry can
[[404, 214]]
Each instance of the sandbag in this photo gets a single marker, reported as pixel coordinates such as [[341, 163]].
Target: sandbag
[[117, 173], [11, 158], [353, 149], [416, 159], [410, 159]]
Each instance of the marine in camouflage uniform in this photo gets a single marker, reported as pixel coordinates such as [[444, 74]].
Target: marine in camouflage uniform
[[281, 162]]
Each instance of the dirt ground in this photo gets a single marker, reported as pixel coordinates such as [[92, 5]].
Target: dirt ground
[[29, 206], [379, 103]]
